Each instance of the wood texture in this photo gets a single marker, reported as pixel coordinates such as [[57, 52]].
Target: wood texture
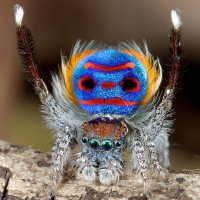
[[24, 174]]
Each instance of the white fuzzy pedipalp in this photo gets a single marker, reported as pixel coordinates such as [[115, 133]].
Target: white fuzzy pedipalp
[[89, 173], [112, 174], [105, 176]]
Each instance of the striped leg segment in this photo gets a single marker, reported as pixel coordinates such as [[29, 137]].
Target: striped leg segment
[[138, 148]]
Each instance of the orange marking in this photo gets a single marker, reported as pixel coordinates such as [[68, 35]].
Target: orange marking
[[104, 129]]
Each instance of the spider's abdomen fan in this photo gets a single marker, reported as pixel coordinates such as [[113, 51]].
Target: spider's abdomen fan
[[110, 81]]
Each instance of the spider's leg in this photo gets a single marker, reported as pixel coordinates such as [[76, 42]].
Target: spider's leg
[[158, 119], [153, 155], [60, 155], [65, 133], [138, 151], [50, 106], [26, 50], [176, 61], [175, 50]]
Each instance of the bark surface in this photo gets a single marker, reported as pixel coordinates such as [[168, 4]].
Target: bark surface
[[24, 174]]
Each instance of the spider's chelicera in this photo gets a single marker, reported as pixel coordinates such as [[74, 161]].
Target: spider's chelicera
[[106, 101]]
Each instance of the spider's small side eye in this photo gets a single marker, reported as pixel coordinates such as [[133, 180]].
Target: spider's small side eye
[[118, 144], [130, 84], [86, 83], [94, 144], [107, 145], [84, 140]]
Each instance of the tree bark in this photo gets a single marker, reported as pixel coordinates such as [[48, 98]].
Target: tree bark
[[24, 174]]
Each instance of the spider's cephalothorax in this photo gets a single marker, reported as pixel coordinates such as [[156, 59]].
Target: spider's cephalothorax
[[105, 101], [102, 143]]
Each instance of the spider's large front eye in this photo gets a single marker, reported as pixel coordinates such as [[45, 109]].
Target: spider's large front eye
[[130, 84], [86, 83], [94, 144], [107, 145]]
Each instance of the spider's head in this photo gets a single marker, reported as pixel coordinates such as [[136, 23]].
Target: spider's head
[[104, 135], [103, 141]]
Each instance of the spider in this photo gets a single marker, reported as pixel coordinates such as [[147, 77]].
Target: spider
[[106, 101]]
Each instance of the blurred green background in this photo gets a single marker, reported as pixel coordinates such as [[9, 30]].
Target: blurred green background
[[56, 25]]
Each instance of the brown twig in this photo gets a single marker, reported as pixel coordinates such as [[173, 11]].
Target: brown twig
[[24, 174]]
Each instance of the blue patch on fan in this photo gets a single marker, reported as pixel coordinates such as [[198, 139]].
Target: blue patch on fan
[[128, 85]]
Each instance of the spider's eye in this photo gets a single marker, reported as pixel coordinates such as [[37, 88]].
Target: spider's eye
[[107, 145], [130, 84], [84, 140], [118, 144], [94, 144], [86, 83]]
